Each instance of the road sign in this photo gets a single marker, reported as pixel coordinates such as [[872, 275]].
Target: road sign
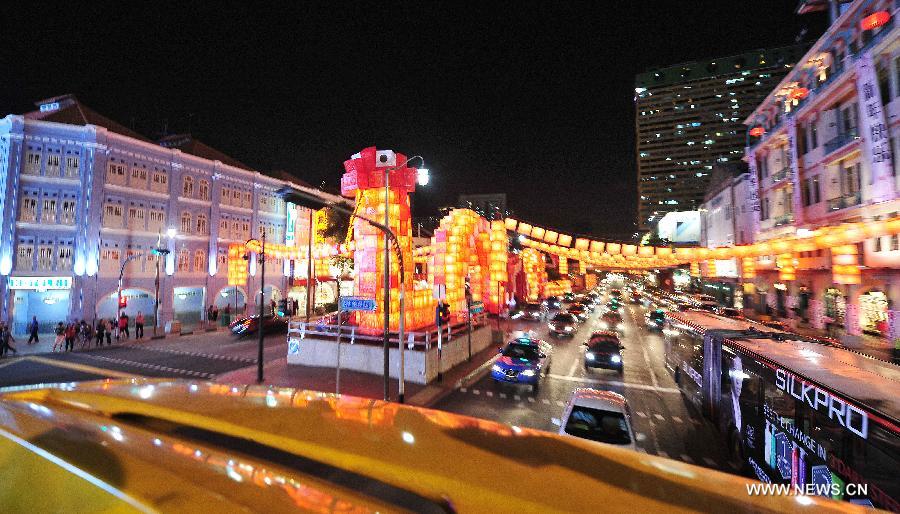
[[357, 303], [476, 307]]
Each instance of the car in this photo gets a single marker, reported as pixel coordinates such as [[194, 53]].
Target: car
[[603, 350], [616, 293], [522, 361], [563, 324], [247, 325], [552, 302], [601, 416], [613, 305], [532, 312], [612, 320], [655, 319], [635, 297], [568, 297], [585, 302], [777, 325], [593, 297], [579, 311], [730, 312]]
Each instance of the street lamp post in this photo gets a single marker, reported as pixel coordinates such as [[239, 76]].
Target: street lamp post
[[160, 253], [121, 276], [262, 304]]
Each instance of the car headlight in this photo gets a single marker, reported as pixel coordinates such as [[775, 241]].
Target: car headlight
[[528, 373], [497, 368], [567, 328], [616, 359], [589, 356], [604, 324]]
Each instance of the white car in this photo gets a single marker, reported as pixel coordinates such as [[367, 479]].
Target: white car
[[601, 416]]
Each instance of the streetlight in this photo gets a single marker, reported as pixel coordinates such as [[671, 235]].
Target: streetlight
[[312, 201], [159, 252]]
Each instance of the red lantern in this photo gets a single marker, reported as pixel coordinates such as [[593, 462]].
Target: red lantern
[[757, 131], [873, 21], [799, 93]]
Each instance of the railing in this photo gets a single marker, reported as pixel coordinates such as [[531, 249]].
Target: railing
[[840, 140], [414, 339], [842, 202], [780, 175]]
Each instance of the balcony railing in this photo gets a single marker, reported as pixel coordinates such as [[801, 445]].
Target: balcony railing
[[784, 219], [781, 175], [842, 202], [840, 140]]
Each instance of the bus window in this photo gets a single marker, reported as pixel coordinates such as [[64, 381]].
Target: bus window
[[781, 402]]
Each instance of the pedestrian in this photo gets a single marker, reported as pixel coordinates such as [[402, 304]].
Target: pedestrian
[[109, 330], [272, 305], [123, 325], [5, 338], [100, 332], [33, 330], [84, 333], [209, 313], [139, 325], [215, 313], [70, 337], [60, 337]]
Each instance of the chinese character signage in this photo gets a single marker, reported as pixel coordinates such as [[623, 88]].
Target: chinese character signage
[[794, 177], [356, 303], [40, 283], [754, 191], [290, 226], [876, 144]]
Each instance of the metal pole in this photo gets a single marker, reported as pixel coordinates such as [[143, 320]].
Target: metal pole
[[387, 283], [262, 303], [337, 380], [400, 335], [437, 317], [309, 268], [469, 323], [156, 298]]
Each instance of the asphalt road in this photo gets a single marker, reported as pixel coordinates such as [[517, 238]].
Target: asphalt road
[[663, 424]]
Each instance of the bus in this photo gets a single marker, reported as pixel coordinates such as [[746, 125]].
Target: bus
[[793, 410]]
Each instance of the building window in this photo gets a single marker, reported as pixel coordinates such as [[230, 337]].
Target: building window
[[72, 164], [814, 191], [48, 211], [187, 187], [115, 173], [52, 169], [112, 215], [67, 216], [203, 190], [202, 225], [804, 192], [32, 163], [247, 200], [25, 257], [223, 258], [110, 255], [64, 257], [851, 179], [28, 212], [136, 218], [157, 220], [200, 261], [45, 258], [895, 242], [139, 175], [223, 229], [236, 198], [186, 223], [184, 260], [160, 180], [225, 195]]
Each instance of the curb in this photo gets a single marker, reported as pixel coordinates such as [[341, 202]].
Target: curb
[[444, 391]]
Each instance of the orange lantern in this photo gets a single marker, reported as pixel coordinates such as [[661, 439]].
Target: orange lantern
[[873, 21], [565, 240], [757, 131], [510, 224], [748, 267], [799, 93]]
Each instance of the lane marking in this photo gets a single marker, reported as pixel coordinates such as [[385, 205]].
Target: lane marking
[[545, 401], [155, 367], [13, 361], [502, 395], [641, 414], [661, 453], [709, 462], [489, 394], [616, 383], [531, 399], [687, 458], [559, 403], [659, 417], [462, 389], [650, 367], [517, 397], [84, 368], [476, 391], [676, 419]]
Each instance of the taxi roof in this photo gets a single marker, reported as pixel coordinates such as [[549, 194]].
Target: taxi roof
[[151, 445]]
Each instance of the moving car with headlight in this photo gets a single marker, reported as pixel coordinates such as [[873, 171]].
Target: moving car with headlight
[[248, 325], [563, 324], [579, 311], [612, 320], [193, 446], [603, 350], [522, 361], [613, 305], [601, 416], [655, 319], [552, 302], [531, 312]]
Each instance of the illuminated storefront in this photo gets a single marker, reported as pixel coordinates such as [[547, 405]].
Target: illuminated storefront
[[47, 298]]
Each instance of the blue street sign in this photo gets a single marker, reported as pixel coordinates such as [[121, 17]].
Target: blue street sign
[[357, 303], [477, 307]]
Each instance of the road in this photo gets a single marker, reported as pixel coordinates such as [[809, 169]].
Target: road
[[663, 424]]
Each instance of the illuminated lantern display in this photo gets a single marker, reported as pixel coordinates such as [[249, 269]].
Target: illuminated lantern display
[[757, 131], [711, 269], [873, 21], [799, 93], [558, 287], [321, 255], [535, 273], [582, 268], [364, 180], [695, 269], [237, 266], [563, 265], [845, 264], [748, 267], [787, 267], [497, 268]]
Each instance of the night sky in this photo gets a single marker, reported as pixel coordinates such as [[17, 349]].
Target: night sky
[[530, 99]]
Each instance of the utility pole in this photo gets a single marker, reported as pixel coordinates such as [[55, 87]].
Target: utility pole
[[262, 303], [387, 282]]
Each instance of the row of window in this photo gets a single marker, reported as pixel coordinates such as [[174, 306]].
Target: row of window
[[50, 208], [44, 256], [139, 217], [52, 164]]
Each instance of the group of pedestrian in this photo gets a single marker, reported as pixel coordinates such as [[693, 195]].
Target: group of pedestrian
[[212, 313], [5, 339]]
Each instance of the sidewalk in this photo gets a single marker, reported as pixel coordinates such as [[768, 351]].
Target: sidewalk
[[280, 374], [877, 347]]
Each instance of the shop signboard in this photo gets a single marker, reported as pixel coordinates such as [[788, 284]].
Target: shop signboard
[[357, 303], [40, 283]]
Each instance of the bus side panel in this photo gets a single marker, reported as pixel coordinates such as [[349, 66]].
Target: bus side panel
[[684, 356], [712, 376]]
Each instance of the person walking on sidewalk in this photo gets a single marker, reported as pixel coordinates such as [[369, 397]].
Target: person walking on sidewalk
[[109, 330], [123, 325], [5, 338], [139, 325], [33, 330], [100, 332], [70, 337], [60, 337]]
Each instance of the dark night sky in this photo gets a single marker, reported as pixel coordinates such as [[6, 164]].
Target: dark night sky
[[530, 99]]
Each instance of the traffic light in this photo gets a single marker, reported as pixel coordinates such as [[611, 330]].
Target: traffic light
[[443, 314], [123, 302]]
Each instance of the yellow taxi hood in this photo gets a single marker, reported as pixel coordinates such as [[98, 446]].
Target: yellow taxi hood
[[149, 445]]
